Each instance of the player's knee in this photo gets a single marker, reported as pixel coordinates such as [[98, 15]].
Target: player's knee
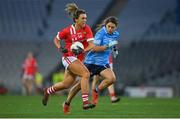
[[86, 75], [112, 79]]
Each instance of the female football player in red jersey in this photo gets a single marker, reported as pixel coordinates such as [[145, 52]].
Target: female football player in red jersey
[[78, 31], [29, 69]]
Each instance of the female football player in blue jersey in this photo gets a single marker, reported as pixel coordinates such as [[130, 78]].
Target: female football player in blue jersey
[[97, 60], [113, 97]]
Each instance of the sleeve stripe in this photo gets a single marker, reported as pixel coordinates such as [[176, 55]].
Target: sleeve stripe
[[57, 36], [73, 28], [90, 39]]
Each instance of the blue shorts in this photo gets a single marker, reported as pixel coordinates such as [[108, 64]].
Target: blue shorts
[[96, 69]]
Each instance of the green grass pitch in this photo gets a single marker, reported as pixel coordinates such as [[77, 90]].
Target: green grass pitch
[[30, 106]]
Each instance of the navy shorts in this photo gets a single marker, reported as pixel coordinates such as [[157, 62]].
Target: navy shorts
[[96, 69]]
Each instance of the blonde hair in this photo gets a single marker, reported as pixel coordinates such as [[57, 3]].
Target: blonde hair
[[73, 10]]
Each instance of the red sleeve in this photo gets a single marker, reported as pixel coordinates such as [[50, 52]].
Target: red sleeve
[[35, 66], [110, 59], [62, 34], [89, 34]]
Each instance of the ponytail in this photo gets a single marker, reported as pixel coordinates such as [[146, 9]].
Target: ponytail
[[73, 10]]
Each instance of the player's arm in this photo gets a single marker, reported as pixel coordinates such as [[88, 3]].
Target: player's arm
[[99, 48], [97, 41], [90, 46], [22, 70], [35, 66], [90, 39], [115, 48], [58, 46], [57, 42]]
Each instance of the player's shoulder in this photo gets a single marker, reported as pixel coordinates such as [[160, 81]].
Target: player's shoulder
[[116, 33], [87, 27], [101, 31], [68, 28]]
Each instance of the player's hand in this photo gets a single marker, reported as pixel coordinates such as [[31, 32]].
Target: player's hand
[[111, 44], [63, 50], [115, 52], [77, 51]]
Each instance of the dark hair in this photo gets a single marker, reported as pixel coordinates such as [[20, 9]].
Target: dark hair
[[106, 21], [73, 10]]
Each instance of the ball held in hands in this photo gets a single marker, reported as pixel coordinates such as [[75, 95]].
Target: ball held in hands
[[77, 48]]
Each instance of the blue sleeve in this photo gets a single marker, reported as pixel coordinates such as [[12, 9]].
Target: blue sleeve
[[98, 38]]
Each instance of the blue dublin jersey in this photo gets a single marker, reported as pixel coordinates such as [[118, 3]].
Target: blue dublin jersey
[[101, 38]]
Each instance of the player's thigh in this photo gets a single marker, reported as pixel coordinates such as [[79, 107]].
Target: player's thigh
[[78, 68], [108, 74], [26, 82], [69, 78], [29, 83]]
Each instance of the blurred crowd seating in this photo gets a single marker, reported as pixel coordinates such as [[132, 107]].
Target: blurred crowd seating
[[40, 20], [138, 15], [148, 63], [167, 28]]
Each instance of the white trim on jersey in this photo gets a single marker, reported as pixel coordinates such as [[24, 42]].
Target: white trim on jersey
[[57, 36], [74, 30], [66, 61], [71, 31], [90, 39], [28, 77]]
